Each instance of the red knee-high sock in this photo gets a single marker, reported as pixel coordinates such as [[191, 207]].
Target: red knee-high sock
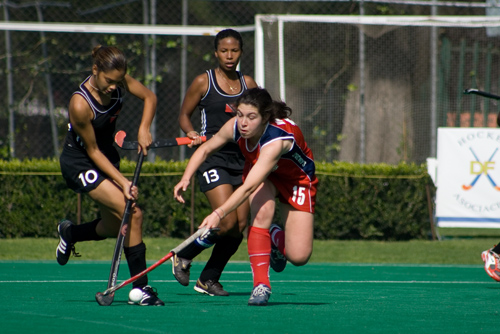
[[278, 239], [259, 252]]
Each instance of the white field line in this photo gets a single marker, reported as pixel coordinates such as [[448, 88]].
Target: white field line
[[274, 281]]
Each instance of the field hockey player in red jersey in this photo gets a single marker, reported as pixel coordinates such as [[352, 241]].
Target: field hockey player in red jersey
[[278, 163], [212, 93], [492, 262], [90, 163]]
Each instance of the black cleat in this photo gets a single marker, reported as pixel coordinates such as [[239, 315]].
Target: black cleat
[[64, 248], [181, 269], [149, 298], [211, 288]]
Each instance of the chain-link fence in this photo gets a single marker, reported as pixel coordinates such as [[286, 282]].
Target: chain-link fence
[[377, 87], [43, 68]]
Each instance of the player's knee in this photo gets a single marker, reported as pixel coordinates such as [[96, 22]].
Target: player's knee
[[299, 259], [229, 225], [263, 218], [137, 213], [242, 224], [136, 221]]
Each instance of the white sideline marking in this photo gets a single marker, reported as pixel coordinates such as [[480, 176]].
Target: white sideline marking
[[274, 281]]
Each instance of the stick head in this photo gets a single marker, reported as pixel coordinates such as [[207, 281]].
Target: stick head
[[104, 300], [120, 137], [470, 91]]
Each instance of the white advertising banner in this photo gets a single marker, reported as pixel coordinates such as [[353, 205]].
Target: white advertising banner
[[468, 177]]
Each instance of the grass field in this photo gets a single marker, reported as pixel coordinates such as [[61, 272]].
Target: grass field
[[458, 246], [417, 286]]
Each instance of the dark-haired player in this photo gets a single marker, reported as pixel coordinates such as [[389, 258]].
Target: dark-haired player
[[89, 162], [212, 93], [278, 163]]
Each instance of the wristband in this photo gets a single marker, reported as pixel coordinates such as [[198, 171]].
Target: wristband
[[220, 218]]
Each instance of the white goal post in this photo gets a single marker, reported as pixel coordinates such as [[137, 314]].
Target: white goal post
[[429, 21], [315, 63], [275, 43], [140, 29]]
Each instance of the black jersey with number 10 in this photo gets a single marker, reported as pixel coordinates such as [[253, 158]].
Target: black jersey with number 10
[[103, 122]]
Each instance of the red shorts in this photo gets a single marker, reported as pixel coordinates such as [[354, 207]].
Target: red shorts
[[301, 194]]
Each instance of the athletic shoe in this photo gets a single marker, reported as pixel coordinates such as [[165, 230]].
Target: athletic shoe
[[149, 298], [260, 295], [211, 288], [491, 264], [181, 269], [64, 248], [278, 260]]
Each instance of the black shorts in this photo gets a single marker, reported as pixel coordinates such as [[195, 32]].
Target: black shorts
[[221, 168], [80, 172]]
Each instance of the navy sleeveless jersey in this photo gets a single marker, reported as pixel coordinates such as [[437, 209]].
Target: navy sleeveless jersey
[[215, 110], [103, 122]]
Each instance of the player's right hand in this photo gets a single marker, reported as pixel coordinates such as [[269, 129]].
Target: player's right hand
[[130, 192], [196, 139], [211, 221]]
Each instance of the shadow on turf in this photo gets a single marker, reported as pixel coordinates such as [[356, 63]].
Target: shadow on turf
[[201, 294], [298, 304], [125, 303]]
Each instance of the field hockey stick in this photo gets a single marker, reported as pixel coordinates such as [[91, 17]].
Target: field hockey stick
[[481, 93], [166, 142], [115, 263], [201, 233]]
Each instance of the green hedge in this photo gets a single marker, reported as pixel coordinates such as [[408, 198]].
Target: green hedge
[[354, 201]]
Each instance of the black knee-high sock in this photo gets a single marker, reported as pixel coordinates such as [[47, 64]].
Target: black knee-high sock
[[136, 259], [85, 232], [223, 250], [496, 249]]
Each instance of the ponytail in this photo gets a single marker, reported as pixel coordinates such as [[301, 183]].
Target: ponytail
[[261, 99]]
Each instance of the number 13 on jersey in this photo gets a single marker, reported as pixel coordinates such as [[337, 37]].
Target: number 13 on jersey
[[211, 176]]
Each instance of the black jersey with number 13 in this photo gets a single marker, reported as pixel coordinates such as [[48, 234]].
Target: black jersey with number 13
[[215, 110]]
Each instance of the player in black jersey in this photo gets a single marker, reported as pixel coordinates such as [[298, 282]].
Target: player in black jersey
[[212, 93], [90, 163]]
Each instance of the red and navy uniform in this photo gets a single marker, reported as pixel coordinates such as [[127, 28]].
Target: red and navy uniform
[[79, 171], [294, 175], [226, 165]]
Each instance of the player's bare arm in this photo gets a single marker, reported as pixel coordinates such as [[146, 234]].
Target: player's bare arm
[[268, 158], [149, 98], [250, 82], [222, 137], [194, 94], [81, 116]]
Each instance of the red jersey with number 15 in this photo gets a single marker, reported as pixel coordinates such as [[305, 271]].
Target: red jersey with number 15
[[294, 175]]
